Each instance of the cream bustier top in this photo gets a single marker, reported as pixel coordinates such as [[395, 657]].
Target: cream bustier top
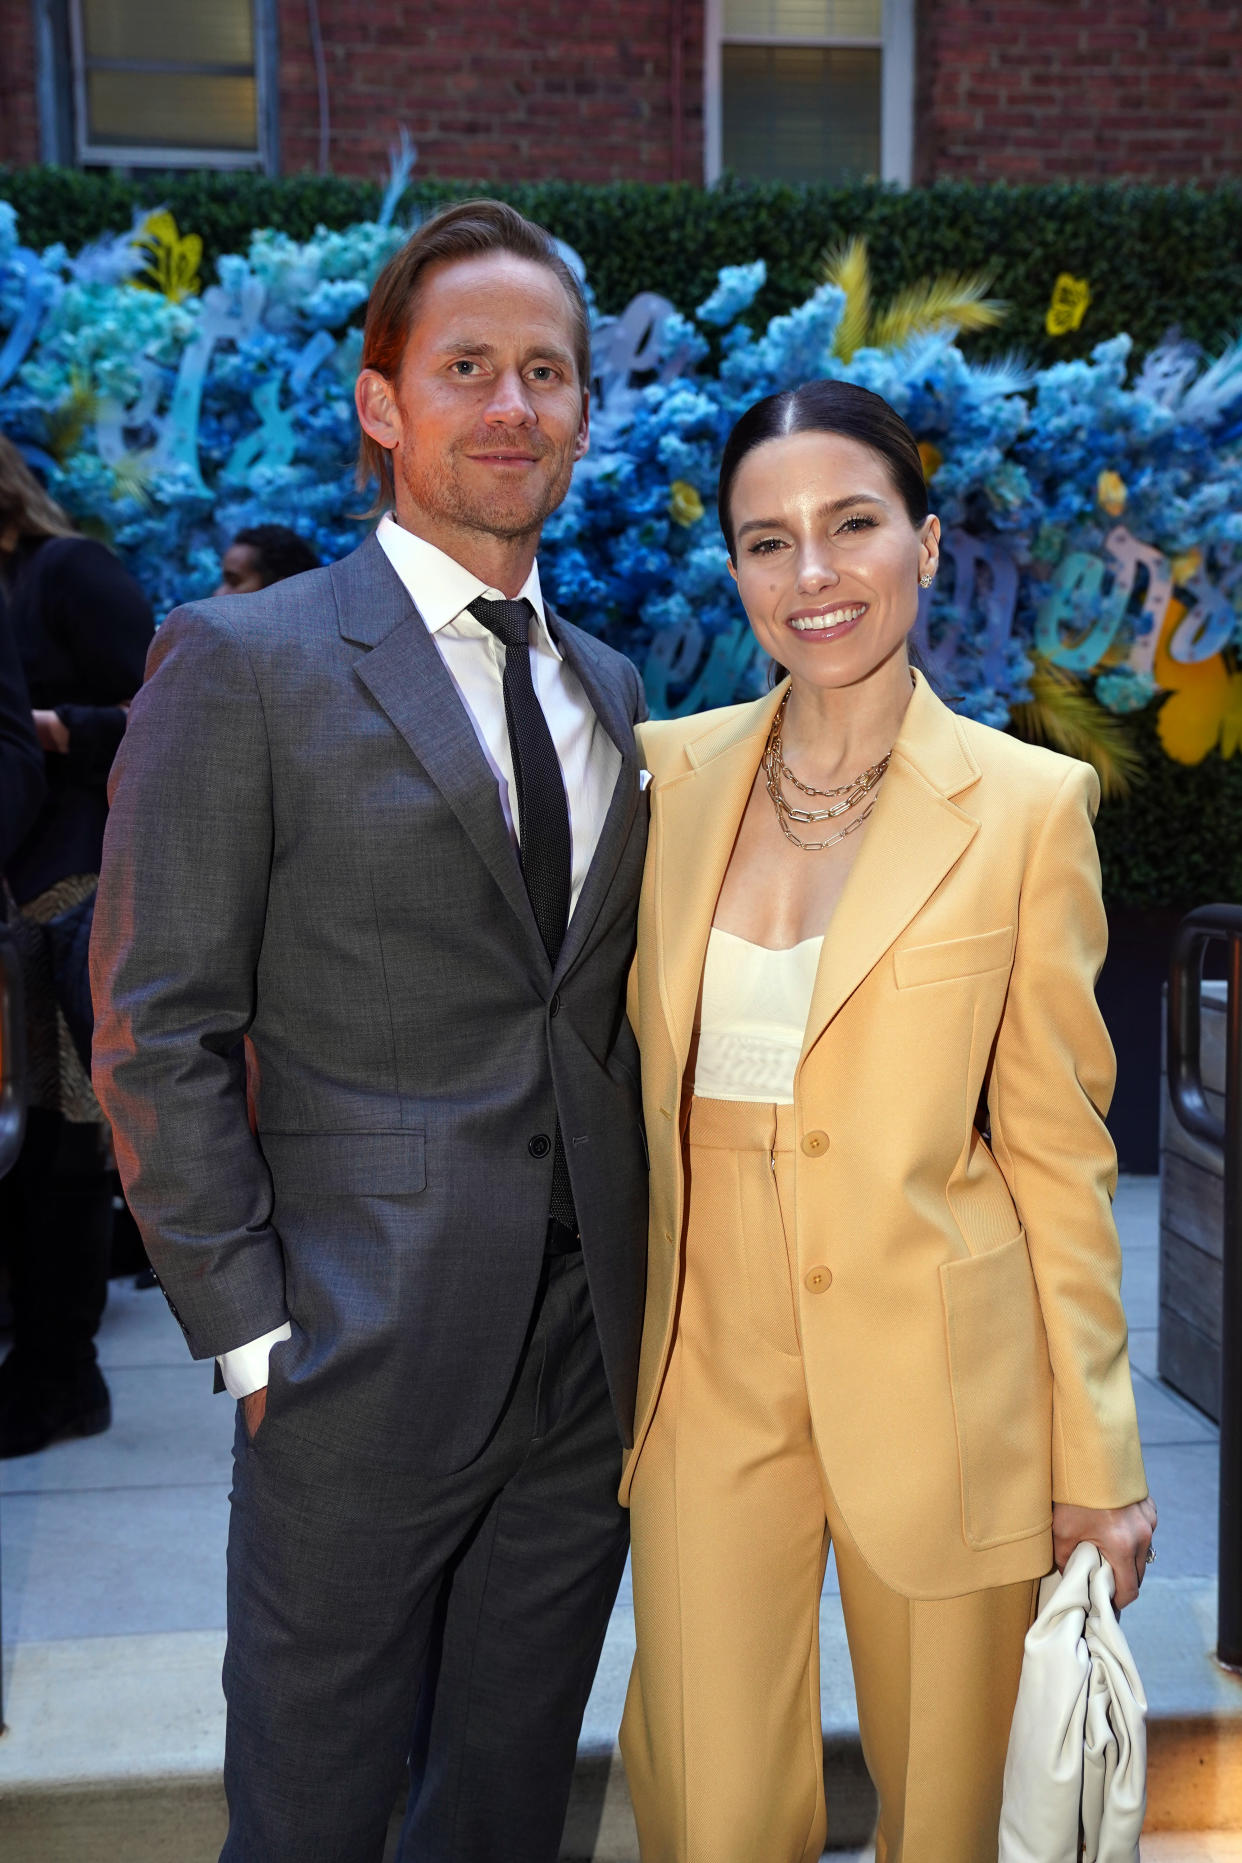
[[753, 1018]]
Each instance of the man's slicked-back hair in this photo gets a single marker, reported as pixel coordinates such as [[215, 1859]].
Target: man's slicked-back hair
[[466, 231]]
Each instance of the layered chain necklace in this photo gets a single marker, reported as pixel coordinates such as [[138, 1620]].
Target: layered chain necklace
[[840, 800]]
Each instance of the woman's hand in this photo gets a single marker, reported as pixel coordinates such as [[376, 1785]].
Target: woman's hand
[[1123, 1535]]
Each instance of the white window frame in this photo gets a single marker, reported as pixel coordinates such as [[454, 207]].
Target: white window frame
[[896, 48], [147, 155]]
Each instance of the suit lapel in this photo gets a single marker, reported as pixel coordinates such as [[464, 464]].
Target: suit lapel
[[915, 835], [695, 819], [604, 694], [407, 678]]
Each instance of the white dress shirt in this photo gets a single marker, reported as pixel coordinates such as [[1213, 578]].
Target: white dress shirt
[[590, 762]]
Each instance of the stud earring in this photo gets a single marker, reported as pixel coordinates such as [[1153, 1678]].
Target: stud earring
[[925, 582]]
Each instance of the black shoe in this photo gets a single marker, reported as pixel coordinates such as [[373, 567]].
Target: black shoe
[[35, 1414]]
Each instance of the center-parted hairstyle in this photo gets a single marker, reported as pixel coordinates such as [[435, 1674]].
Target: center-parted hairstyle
[[827, 407], [468, 230]]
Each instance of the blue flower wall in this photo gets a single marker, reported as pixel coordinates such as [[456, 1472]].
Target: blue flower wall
[[1092, 510]]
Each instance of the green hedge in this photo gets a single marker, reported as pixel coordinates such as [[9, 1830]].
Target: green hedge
[[1176, 840], [1154, 257]]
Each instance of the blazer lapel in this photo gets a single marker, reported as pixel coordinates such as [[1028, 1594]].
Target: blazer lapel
[[695, 819], [404, 673], [603, 691], [915, 835]]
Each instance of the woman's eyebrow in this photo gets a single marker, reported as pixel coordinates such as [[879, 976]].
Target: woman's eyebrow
[[831, 510]]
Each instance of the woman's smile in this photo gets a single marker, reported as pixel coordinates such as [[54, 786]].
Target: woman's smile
[[828, 623]]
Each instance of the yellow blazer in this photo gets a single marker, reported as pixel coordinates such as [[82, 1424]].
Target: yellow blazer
[[966, 1359]]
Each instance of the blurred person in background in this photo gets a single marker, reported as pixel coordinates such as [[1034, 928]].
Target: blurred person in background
[[81, 627], [22, 788], [264, 554], [22, 782]]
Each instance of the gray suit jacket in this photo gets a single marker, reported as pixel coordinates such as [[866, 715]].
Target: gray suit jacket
[[306, 849]]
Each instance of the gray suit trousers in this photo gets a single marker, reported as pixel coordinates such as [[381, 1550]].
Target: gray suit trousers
[[374, 1612]]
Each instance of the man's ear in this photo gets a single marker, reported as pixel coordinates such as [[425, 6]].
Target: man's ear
[[584, 428], [378, 413], [732, 571]]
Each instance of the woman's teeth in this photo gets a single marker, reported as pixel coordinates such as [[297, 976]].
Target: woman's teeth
[[805, 623]]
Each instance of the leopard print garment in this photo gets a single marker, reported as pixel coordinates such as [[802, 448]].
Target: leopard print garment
[[58, 1083]]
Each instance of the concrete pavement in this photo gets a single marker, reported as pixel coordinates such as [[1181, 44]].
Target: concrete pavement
[[113, 1616]]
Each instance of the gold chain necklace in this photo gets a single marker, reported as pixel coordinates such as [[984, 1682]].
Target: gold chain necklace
[[841, 799]]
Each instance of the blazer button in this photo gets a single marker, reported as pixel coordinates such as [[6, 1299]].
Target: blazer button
[[819, 1280], [814, 1143], [539, 1146], [554, 1007]]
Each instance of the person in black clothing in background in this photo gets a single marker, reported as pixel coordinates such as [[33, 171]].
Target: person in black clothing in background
[[22, 788], [258, 557], [22, 781], [82, 627]]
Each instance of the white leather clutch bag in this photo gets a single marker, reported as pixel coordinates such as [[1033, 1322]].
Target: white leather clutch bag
[[1078, 1746]]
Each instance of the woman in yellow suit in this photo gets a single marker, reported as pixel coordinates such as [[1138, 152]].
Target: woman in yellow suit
[[883, 1300]]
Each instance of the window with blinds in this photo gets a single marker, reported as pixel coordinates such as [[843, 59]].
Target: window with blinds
[[161, 82], [801, 87]]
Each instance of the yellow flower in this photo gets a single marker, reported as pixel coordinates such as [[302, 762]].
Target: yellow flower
[[173, 266], [1110, 490], [1070, 298], [684, 504], [1204, 711], [1188, 564], [932, 459]]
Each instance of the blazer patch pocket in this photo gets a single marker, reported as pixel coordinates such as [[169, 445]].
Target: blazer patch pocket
[[1002, 1393], [348, 1164], [914, 964]]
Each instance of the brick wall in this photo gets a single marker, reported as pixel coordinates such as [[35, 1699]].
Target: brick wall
[[1090, 90], [496, 90], [1024, 90], [19, 115]]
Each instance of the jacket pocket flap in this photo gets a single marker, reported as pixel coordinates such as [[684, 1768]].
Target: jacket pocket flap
[[955, 957], [360, 1164]]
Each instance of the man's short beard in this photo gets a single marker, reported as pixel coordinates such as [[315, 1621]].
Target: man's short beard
[[440, 494]]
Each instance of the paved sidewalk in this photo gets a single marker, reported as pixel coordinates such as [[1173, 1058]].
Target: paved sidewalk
[[113, 1617]]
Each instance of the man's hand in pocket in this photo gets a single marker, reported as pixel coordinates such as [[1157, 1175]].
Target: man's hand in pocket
[[254, 1408]]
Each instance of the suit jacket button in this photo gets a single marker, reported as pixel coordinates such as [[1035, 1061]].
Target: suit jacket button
[[819, 1280], [814, 1143], [539, 1146], [554, 1007]]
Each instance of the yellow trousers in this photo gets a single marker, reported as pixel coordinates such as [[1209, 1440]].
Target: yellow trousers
[[732, 1519]]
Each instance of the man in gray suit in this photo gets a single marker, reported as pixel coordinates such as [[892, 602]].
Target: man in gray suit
[[366, 913]]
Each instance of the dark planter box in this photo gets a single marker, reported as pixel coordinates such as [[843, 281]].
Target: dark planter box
[[1130, 994], [1192, 1229]]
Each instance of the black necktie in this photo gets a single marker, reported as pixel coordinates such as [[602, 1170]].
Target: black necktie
[[543, 815]]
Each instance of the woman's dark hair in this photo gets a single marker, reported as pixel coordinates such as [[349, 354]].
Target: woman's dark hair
[[827, 407]]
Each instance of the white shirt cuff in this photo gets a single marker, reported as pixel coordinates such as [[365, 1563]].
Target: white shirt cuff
[[244, 1369]]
